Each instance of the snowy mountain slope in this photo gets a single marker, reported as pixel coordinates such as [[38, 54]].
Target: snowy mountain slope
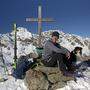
[[24, 46], [25, 41]]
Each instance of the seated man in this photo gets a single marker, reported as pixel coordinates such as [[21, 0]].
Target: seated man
[[54, 54]]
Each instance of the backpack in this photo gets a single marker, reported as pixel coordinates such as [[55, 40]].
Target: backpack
[[23, 65]]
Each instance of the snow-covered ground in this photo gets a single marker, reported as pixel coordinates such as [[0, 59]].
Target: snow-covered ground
[[80, 83], [23, 48], [13, 84]]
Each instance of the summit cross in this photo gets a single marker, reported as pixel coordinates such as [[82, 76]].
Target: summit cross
[[39, 20]]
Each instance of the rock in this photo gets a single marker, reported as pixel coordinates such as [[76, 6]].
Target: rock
[[58, 85], [45, 78], [53, 73], [35, 80]]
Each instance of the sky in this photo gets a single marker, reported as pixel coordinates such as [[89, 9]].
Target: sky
[[71, 16]]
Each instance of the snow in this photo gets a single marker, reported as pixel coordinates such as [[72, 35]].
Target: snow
[[79, 84], [25, 48], [13, 84], [8, 54], [23, 33]]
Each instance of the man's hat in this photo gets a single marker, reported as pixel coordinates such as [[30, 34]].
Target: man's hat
[[55, 33]]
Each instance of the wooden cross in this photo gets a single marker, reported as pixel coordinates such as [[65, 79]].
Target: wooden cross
[[39, 20]]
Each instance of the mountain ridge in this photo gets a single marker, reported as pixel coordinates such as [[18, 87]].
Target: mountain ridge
[[26, 39]]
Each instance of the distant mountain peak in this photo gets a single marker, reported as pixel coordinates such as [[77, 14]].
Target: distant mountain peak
[[22, 29], [69, 41], [23, 33]]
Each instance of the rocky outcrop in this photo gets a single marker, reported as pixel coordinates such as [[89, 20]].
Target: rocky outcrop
[[36, 81], [45, 78]]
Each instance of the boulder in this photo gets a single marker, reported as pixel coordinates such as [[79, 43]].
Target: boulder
[[45, 78], [35, 80]]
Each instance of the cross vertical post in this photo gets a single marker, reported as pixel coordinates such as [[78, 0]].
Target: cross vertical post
[[39, 25]]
